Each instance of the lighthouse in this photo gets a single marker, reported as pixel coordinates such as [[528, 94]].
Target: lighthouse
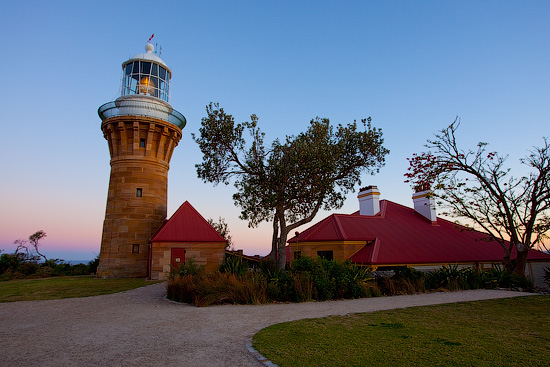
[[142, 130]]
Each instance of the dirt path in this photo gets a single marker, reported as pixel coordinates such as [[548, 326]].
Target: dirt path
[[140, 328]]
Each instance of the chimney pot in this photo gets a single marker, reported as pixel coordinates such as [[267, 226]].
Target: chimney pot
[[369, 200], [424, 204]]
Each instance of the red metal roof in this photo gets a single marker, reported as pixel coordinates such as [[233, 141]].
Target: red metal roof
[[399, 235], [187, 225]]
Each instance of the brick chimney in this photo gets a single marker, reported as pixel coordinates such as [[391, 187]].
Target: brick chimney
[[369, 200], [424, 204]]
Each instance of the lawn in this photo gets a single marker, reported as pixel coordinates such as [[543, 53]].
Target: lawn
[[65, 287], [502, 332]]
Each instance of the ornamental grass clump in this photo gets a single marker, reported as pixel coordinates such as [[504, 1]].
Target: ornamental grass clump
[[450, 277], [306, 280], [332, 279], [404, 281], [220, 288], [309, 279], [190, 283], [234, 265]]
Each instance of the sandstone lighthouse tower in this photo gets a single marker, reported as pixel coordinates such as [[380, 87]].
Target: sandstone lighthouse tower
[[142, 130]]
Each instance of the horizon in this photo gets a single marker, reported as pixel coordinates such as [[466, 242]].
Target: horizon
[[413, 67]]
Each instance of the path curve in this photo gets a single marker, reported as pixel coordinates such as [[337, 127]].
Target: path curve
[[140, 328]]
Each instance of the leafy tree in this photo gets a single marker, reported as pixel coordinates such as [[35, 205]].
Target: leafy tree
[[288, 183], [34, 239], [223, 229], [477, 185]]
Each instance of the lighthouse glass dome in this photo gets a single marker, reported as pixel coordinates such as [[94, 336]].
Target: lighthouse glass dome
[[146, 74]]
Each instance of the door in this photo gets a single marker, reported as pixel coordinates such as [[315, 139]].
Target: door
[[177, 257]]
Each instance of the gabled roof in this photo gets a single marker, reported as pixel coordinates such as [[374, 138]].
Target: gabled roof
[[399, 235], [187, 225]]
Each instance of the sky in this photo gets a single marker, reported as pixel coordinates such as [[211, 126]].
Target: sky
[[413, 66]]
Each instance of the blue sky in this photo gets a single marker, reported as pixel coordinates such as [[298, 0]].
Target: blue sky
[[412, 66]]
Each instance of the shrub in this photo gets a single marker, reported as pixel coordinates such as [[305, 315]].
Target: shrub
[[404, 280], [234, 265], [217, 288], [333, 279], [93, 265], [447, 277], [190, 267], [21, 265], [303, 287], [309, 279], [547, 276]]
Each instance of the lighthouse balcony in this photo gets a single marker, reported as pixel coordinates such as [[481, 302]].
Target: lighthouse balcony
[[135, 105]]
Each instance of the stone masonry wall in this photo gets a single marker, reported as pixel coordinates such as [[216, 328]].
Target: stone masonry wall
[[140, 149]]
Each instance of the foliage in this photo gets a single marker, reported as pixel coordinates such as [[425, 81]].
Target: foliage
[[34, 240], [477, 185], [234, 265], [189, 267], [288, 183], [223, 229], [451, 277], [92, 265], [319, 279], [333, 279], [459, 334], [547, 276], [217, 288], [308, 280], [405, 281], [23, 263], [19, 265]]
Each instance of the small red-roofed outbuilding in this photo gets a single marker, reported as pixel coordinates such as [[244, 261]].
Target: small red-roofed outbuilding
[[186, 235]]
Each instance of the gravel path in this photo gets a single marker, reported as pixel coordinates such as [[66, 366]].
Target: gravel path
[[140, 328]]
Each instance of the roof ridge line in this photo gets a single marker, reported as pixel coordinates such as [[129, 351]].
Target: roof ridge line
[[384, 208], [340, 228], [375, 250]]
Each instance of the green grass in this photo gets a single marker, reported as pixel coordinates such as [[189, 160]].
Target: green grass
[[64, 287], [503, 332]]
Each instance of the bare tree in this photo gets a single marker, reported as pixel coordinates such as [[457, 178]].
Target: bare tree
[[477, 185], [21, 246]]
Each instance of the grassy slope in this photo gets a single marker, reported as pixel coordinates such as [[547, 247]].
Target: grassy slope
[[64, 287], [503, 332]]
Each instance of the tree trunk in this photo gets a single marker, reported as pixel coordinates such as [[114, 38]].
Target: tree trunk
[[283, 232], [274, 240], [508, 263], [521, 262]]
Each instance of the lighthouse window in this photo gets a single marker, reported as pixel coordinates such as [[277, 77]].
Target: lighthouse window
[[145, 77], [146, 68], [133, 85], [142, 143], [135, 248], [139, 192]]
